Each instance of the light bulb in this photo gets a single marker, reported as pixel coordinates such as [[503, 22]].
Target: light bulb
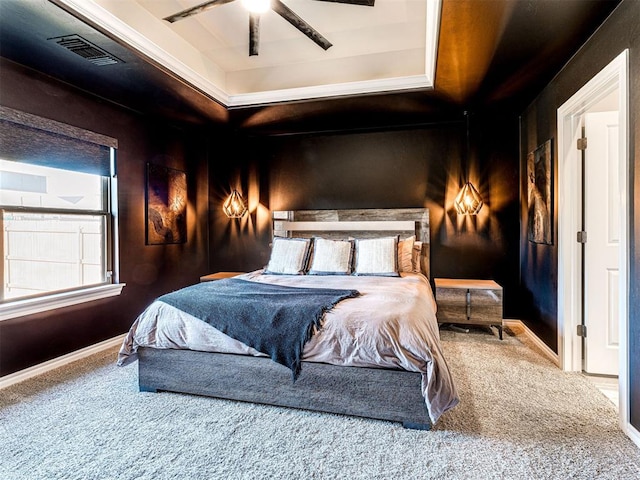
[[468, 201], [257, 6]]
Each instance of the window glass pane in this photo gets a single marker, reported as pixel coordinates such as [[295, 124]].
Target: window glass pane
[[25, 185], [51, 252]]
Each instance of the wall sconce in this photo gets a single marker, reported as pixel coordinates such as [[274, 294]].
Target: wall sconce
[[468, 201], [234, 206]]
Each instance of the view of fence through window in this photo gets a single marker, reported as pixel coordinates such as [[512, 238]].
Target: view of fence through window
[[44, 248]]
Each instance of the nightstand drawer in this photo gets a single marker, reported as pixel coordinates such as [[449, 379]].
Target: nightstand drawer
[[486, 305], [452, 305]]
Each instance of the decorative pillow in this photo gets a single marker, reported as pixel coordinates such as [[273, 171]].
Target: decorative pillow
[[331, 257], [405, 254], [289, 256], [377, 256], [416, 256]]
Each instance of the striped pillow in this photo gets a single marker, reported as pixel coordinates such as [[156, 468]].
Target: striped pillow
[[289, 256], [331, 257], [377, 256]]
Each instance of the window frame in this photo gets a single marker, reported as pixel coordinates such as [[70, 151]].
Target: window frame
[[112, 287]]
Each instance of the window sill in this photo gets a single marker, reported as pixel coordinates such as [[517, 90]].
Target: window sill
[[21, 308]]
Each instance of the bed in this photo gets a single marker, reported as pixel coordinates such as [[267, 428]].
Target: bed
[[375, 354]]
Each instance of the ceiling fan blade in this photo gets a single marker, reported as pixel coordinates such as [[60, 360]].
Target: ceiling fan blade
[[254, 33], [364, 3], [197, 9], [288, 14]]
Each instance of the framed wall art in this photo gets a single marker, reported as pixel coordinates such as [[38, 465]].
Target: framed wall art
[[166, 205], [539, 188]]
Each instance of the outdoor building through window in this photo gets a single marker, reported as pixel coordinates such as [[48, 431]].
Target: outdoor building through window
[[54, 225], [57, 206]]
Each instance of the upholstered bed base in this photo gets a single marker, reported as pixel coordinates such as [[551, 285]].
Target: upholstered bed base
[[383, 394]]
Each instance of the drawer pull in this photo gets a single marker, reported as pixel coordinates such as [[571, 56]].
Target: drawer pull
[[468, 304]]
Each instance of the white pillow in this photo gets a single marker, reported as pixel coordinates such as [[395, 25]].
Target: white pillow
[[331, 257], [377, 256], [405, 254], [289, 256]]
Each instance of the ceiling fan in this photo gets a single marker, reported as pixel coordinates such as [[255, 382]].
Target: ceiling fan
[[254, 19]]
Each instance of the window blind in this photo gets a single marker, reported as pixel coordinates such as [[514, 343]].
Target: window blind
[[39, 141]]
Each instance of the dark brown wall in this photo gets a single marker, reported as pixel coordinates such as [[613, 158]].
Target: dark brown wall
[[148, 271], [539, 123], [393, 168]]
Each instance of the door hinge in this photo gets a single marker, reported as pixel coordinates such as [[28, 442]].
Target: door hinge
[[581, 330], [582, 143], [581, 237]]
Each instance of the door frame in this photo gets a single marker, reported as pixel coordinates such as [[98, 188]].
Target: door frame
[[614, 75]]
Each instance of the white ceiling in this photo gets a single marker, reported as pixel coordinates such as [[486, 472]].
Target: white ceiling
[[388, 47]]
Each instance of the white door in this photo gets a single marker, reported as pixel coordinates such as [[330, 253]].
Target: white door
[[602, 224]]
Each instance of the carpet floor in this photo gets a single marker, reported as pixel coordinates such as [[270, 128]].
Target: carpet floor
[[520, 417]]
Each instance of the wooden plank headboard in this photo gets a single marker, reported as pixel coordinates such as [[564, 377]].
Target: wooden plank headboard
[[357, 223]]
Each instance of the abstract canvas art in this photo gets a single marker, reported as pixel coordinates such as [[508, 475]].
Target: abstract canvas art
[[540, 206], [166, 205]]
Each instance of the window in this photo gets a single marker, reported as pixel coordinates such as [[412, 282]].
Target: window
[[57, 197], [54, 225]]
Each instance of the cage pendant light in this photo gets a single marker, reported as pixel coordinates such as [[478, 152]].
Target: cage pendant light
[[468, 201], [234, 206]]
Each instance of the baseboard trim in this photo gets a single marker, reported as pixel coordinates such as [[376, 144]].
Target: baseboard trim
[[632, 433], [550, 354], [58, 362]]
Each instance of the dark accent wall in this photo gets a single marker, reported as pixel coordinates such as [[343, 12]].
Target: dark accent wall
[[239, 245], [539, 123], [421, 166], [148, 271]]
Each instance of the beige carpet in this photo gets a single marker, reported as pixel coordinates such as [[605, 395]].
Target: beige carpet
[[520, 417]]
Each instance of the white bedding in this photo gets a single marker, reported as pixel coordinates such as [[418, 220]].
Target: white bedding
[[392, 324]]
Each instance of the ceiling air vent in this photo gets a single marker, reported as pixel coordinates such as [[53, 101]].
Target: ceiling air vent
[[86, 50]]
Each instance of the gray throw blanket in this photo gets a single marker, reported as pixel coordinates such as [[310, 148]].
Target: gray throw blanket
[[274, 319]]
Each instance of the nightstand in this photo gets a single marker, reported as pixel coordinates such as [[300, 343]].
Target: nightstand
[[219, 276], [469, 302]]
